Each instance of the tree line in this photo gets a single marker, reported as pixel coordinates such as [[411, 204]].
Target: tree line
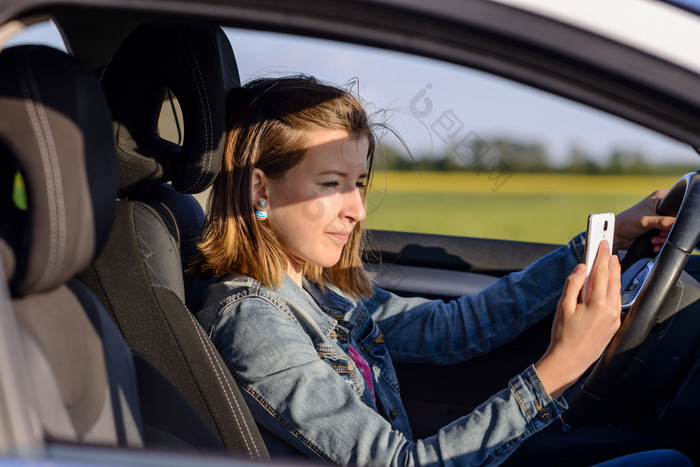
[[483, 155]]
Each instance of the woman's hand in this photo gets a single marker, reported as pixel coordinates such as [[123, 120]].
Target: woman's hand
[[639, 219], [581, 331]]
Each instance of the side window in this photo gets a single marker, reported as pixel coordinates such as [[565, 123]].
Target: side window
[[43, 32], [478, 155]]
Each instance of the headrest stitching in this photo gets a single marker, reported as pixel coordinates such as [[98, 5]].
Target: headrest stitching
[[52, 172], [208, 125]]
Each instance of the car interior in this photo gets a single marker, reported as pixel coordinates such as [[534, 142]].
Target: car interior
[[97, 325]]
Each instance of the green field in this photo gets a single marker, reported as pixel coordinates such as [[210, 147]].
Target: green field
[[529, 207]]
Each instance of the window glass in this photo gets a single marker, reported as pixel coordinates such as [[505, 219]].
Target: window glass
[[43, 33], [491, 158]]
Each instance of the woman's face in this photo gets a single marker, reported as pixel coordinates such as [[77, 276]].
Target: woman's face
[[315, 206]]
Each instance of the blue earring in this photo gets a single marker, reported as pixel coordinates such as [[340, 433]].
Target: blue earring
[[261, 215]]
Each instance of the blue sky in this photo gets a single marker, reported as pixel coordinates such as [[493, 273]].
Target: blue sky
[[397, 86]]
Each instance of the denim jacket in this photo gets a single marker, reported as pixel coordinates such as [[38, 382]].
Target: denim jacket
[[288, 350]]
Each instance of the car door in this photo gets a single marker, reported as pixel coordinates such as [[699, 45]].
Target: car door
[[475, 177]]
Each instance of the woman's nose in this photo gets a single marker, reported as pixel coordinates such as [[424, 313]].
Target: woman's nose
[[354, 206]]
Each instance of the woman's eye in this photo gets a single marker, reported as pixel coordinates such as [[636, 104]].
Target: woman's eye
[[335, 184]]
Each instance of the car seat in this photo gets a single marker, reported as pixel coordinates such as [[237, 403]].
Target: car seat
[[139, 274], [72, 374]]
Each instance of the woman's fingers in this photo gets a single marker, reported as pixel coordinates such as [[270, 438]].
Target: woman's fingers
[[640, 218], [598, 279], [604, 295], [614, 278], [658, 240], [656, 222], [572, 288]]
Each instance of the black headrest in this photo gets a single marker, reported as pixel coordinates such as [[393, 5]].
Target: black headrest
[[196, 63], [55, 138]]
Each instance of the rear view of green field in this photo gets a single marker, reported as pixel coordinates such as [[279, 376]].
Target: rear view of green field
[[548, 208]]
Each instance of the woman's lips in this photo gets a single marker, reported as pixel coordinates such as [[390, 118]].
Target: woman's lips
[[340, 236]]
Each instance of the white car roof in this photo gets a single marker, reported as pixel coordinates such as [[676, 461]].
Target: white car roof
[[658, 28]]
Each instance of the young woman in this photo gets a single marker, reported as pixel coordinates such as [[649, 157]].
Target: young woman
[[309, 339]]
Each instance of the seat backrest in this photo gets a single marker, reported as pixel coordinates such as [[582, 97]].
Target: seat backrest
[[58, 175], [139, 274]]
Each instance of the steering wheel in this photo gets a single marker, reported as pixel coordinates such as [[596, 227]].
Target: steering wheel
[[683, 202]]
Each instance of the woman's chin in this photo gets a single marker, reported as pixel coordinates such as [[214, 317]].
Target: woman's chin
[[326, 262]]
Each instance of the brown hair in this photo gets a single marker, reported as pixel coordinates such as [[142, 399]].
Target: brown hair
[[268, 122]]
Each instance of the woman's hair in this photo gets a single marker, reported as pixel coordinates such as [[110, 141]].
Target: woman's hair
[[268, 124]]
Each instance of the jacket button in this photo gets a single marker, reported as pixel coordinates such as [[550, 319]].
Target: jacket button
[[394, 413], [544, 415]]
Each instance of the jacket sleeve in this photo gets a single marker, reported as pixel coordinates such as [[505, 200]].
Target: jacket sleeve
[[297, 396], [434, 331]]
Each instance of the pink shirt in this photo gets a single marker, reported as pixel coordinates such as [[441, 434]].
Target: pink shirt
[[362, 364]]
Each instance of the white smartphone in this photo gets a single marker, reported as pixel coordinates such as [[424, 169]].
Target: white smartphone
[[600, 227]]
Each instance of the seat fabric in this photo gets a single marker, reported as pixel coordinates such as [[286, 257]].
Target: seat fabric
[[139, 274]]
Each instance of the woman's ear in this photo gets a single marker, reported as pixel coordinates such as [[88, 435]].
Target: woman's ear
[[259, 187]]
